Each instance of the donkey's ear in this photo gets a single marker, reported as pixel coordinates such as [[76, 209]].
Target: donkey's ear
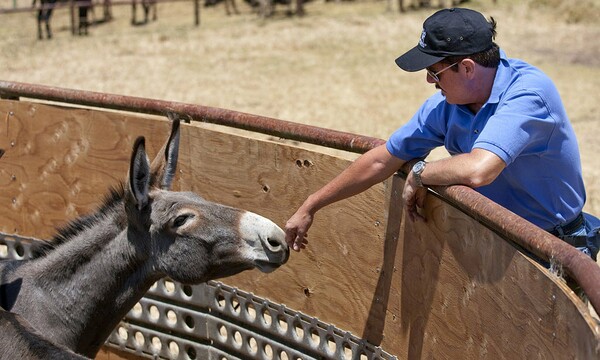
[[139, 173], [164, 165]]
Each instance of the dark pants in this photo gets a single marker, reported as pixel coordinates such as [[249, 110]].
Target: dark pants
[[585, 237]]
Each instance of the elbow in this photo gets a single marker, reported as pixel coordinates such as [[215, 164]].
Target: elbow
[[479, 177], [478, 168]]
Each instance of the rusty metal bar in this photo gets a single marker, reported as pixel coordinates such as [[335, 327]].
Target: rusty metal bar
[[509, 226], [284, 129]]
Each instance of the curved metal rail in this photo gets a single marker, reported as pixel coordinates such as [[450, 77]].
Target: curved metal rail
[[284, 129], [510, 226]]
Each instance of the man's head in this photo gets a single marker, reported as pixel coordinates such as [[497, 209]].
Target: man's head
[[449, 33]]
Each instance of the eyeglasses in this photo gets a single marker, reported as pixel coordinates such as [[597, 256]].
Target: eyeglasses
[[434, 76]]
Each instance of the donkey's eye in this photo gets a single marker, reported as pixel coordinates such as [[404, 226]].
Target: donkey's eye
[[181, 220]]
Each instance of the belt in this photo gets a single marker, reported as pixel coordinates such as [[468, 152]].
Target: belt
[[568, 228], [576, 241]]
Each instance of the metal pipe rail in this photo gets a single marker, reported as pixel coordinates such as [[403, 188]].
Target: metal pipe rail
[[279, 128], [509, 226]]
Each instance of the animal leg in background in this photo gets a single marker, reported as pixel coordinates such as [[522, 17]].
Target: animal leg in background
[[43, 16], [154, 6], [133, 7], [235, 10], [265, 8], [149, 5], [84, 8], [106, 10]]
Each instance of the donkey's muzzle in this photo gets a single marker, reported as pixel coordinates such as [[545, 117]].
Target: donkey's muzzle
[[270, 251]]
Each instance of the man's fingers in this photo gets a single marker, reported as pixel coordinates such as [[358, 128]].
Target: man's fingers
[[290, 237], [299, 241], [412, 209]]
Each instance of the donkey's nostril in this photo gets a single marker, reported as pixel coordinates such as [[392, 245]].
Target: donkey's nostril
[[273, 242]]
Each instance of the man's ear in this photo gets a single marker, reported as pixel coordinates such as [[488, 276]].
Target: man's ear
[[468, 66]]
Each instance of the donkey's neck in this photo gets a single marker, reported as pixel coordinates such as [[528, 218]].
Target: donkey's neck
[[90, 282]]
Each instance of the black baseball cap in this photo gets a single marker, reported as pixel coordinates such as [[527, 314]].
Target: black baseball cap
[[448, 32]]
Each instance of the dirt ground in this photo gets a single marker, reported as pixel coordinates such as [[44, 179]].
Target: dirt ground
[[333, 68]]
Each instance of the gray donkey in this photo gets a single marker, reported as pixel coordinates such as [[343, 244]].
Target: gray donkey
[[18, 340], [77, 287]]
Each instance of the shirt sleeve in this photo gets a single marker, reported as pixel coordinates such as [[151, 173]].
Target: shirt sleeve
[[424, 132], [522, 125]]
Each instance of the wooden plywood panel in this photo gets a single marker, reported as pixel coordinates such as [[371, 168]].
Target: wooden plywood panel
[[58, 164], [466, 293], [273, 180], [448, 288]]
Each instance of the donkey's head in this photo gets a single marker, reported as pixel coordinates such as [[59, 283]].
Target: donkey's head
[[190, 239]]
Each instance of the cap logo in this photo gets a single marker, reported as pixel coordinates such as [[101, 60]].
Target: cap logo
[[422, 40]]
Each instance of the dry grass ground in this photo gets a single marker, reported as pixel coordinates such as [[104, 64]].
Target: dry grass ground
[[333, 68]]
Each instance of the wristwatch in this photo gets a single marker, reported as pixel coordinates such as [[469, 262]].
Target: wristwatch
[[417, 170]]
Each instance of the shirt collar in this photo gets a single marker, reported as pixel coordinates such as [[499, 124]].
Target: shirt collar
[[501, 80]]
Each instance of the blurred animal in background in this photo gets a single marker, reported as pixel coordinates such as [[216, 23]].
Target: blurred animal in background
[[228, 3], [147, 5], [266, 8], [107, 10], [84, 9], [43, 17], [403, 5]]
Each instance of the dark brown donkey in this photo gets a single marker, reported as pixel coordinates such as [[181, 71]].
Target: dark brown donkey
[[78, 286]]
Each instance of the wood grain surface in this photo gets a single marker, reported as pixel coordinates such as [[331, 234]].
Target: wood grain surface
[[449, 288]]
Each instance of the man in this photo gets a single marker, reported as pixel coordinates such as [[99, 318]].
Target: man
[[501, 119]]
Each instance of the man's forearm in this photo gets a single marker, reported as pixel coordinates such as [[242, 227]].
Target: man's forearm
[[368, 170], [475, 169]]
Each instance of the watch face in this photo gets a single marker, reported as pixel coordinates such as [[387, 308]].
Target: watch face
[[419, 167]]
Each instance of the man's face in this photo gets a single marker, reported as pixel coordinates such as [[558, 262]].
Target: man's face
[[448, 79]]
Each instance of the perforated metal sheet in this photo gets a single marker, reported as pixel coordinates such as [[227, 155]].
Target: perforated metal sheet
[[216, 321]]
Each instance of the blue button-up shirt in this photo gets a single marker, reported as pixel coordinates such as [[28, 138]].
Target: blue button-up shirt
[[524, 123]]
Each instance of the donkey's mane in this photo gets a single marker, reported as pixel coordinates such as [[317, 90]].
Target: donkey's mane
[[111, 200]]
